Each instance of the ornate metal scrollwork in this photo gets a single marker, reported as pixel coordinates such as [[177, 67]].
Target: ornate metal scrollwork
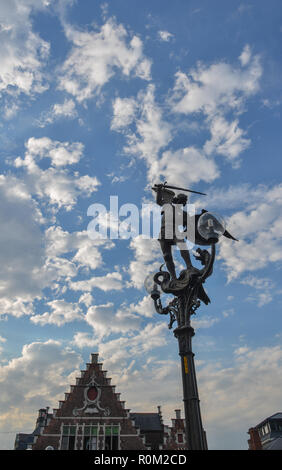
[[188, 289]]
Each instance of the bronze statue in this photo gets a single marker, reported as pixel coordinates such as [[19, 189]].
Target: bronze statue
[[187, 290], [169, 234], [173, 212]]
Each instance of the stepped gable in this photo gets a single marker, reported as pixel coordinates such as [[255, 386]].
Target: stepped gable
[[91, 401]]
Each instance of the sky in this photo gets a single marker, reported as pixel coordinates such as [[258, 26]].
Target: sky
[[103, 99]]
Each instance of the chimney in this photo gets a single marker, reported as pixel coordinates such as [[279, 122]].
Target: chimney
[[160, 414], [254, 441], [94, 358], [178, 414]]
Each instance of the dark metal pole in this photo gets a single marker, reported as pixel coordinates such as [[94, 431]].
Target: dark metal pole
[[188, 291], [195, 435]]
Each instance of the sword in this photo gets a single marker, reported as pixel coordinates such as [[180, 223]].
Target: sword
[[164, 185]]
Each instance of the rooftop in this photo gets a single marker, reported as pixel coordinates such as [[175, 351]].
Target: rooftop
[[272, 417], [147, 421]]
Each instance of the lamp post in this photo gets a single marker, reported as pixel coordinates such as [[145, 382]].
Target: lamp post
[[188, 292]]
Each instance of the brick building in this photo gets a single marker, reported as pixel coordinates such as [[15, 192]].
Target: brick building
[[174, 435], [92, 417]]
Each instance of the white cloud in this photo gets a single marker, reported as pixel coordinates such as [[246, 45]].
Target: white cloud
[[259, 228], [185, 166], [165, 36], [152, 132], [85, 252], [124, 110], [85, 340], [234, 197], [211, 91], [2, 340], [216, 88], [33, 259], [58, 110], [38, 377], [86, 299], [68, 253], [23, 52], [246, 55], [60, 153], [22, 254], [60, 186], [147, 259], [97, 55], [61, 312], [204, 322], [260, 284], [104, 320], [234, 398], [226, 139], [132, 369], [109, 282], [145, 307], [15, 306]]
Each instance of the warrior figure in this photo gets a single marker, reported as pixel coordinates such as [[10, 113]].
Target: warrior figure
[[172, 213]]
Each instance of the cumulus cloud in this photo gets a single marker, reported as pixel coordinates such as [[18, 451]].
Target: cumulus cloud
[[216, 88], [32, 259], [148, 134], [246, 55], [59, 185], [152, 131], [65, 110], [147, 259], [234, 398], [215, 91], [264, 289], [86, 299], [212, 92], [37, 378], [85, 340], [133, 368], [259, 228], [165, 36], [85, 252], [105, 320], [227, 139], [109, 282], [60, 153], [234, 196], [61, 312], [22, 254], [124, 110], [97, 55], [23, 53], [186, 166]]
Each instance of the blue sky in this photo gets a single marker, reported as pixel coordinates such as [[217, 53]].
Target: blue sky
[[103, 99]]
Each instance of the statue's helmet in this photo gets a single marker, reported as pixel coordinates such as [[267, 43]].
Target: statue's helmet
[[182, 198]]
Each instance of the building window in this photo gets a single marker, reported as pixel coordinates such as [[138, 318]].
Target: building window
[[180, 438], [90, 434], [279, 426], [111, 437], [68, 438]]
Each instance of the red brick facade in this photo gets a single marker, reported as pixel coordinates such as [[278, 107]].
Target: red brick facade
[[92, 417], [254, 441], [92, 411], [175, 438]]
